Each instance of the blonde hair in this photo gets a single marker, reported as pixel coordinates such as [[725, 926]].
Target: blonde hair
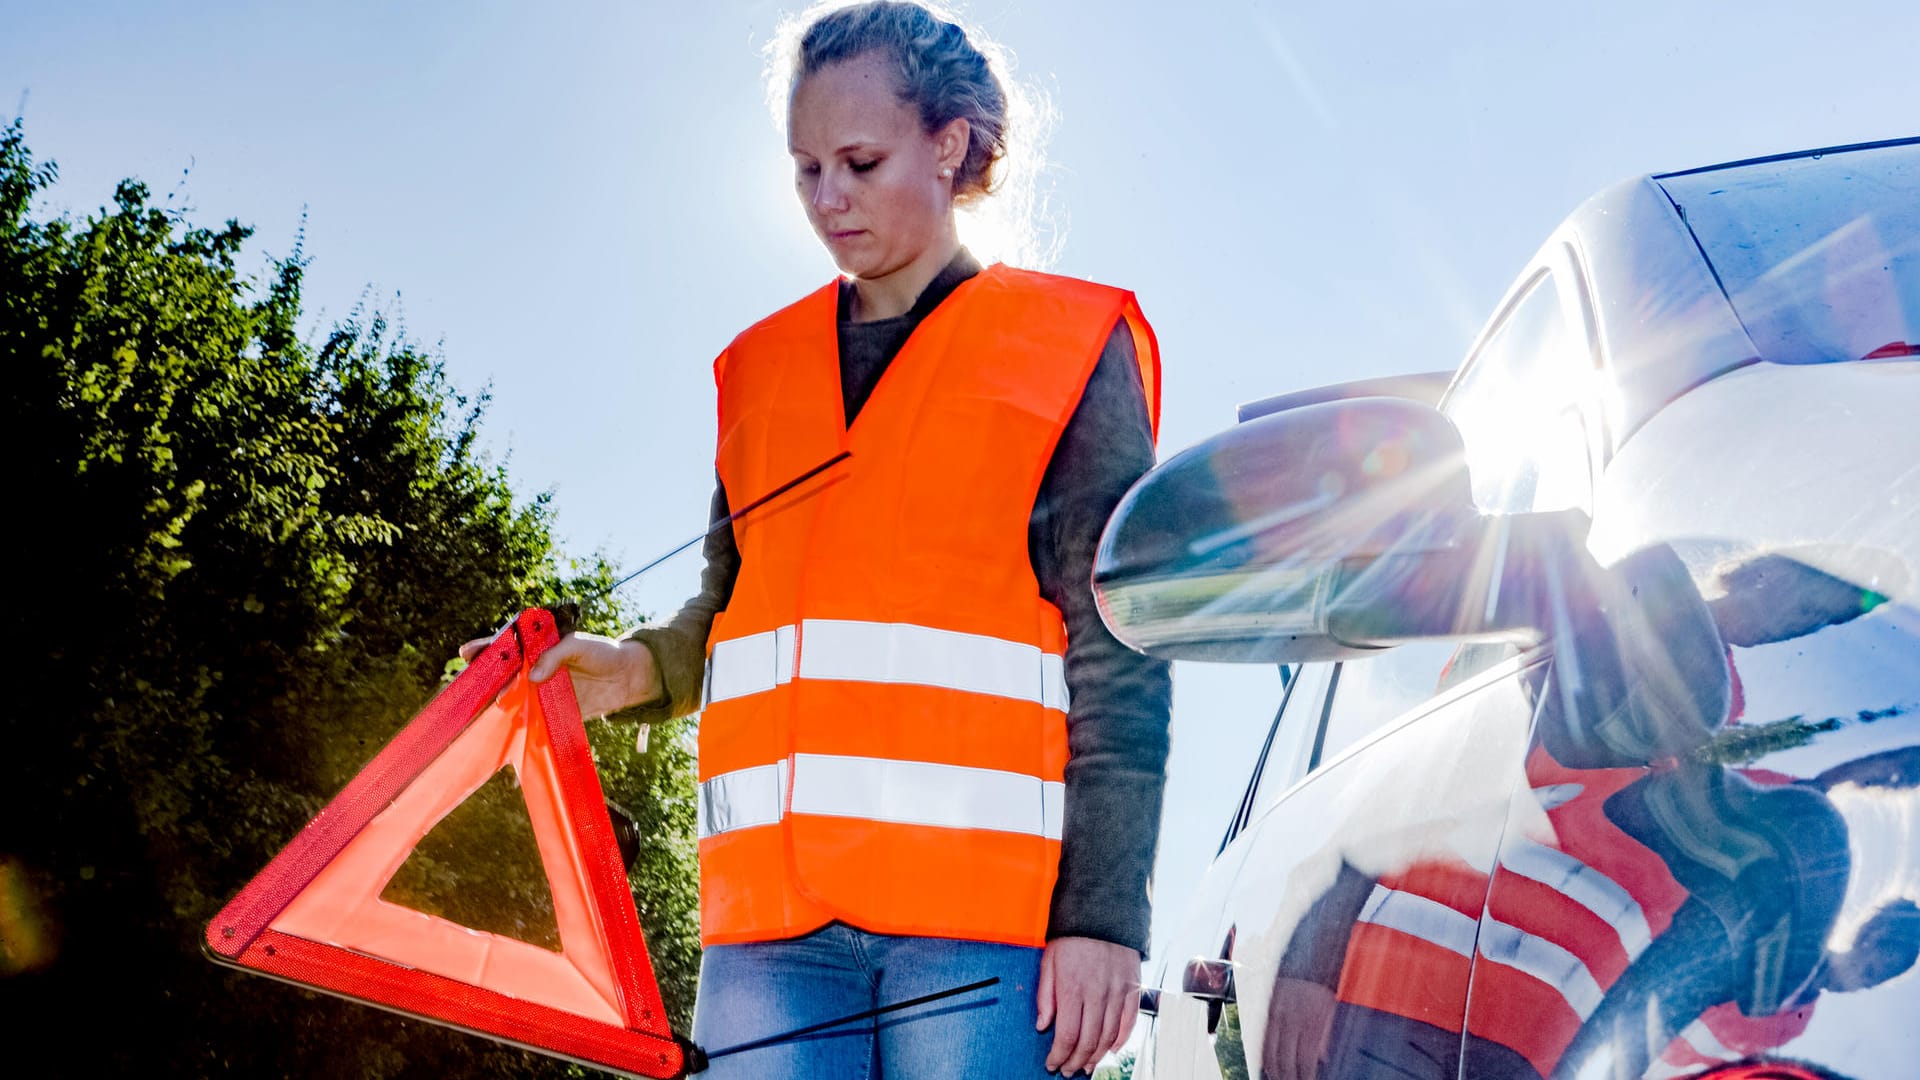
[[945, 73]]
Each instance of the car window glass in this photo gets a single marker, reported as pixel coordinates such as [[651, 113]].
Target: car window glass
[[1368, 693], [1472, 658], [1293, 737], [1519, 408]]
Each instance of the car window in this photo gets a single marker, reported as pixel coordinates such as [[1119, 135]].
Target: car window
[[1368, 693], [1520, 407], [1290, 743]]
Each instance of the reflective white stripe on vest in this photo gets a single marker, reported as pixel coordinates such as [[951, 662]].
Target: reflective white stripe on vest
[[1542, 959], [741, 799], [925, 793], [749, 665], [857, 651], [1585, 886], [1428, 920], [881, 789]]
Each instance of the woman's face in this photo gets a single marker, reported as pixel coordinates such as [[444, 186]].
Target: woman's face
[[867, 173]]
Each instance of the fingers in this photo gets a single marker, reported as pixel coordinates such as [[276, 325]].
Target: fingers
[[474, 648], [1069, 1024], [1111, 1017], [1097, 1037], [1121, 1013], [1044, 992]]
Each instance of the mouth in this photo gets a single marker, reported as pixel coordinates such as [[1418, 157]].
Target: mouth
[[841, 236]]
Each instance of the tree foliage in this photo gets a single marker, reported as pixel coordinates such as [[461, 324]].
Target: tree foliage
[[1121, 1068], [243, 559]]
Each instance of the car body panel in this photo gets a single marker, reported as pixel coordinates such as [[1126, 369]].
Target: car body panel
[[1830, 473]]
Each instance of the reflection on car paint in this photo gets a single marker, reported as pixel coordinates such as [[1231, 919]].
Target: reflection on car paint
[[1658, 915]]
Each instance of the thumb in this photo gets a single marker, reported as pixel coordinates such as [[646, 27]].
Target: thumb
[[550, 661], [1043, 993]]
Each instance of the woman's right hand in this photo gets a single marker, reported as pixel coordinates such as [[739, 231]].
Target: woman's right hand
[[608, 674]]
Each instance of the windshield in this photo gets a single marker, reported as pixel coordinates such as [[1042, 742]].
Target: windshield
[[1820, 254]]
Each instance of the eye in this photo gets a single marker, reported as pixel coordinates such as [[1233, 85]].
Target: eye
[[864, 166]]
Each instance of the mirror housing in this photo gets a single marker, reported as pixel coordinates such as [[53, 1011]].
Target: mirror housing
[[1426, 387], [1320, 532]]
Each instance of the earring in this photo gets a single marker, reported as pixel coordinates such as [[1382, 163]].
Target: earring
[[946, 174]]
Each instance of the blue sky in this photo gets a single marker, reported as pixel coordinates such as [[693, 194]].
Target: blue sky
[[582, 202]]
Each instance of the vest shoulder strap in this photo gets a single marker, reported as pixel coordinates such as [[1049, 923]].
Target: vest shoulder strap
[[1112, 303]]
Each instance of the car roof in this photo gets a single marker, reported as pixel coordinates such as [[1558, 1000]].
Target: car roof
[[1659, 311], [1795, 155]]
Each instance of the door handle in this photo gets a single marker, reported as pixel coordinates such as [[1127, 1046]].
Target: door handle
[[1210, 980], [1150, 1000]]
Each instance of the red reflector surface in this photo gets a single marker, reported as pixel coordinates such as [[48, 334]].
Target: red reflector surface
[[314, 916]]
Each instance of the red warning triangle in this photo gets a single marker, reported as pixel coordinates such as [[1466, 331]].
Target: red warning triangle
[[314, 916]]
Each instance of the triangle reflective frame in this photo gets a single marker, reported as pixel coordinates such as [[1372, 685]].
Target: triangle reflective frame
[[314, 916]]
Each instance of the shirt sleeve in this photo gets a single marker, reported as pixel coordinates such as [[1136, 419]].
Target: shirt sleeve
[[679, 645], [1119, 700]]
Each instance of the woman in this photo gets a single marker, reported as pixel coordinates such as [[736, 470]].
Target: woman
[[905, 673]]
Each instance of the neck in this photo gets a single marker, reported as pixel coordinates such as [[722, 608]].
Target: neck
[[893, 294]]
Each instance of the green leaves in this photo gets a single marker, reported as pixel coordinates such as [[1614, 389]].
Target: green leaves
[[244, 559]]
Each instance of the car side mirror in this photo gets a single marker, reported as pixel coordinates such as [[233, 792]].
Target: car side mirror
[[1337, 529], [1326, 531]]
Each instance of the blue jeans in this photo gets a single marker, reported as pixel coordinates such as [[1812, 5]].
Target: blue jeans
[[748, 992]]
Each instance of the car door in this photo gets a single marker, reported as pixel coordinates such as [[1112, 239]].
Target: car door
[[1342, 930], [1181, 1044]]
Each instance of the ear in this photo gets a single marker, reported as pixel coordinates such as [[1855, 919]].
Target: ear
[[950, 143]]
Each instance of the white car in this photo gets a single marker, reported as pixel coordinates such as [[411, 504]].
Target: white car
[[1601, 734]]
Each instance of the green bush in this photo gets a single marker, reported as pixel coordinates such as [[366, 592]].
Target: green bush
[[242, 560]]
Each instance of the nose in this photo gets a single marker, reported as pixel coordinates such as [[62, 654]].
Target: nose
[[829, 192]]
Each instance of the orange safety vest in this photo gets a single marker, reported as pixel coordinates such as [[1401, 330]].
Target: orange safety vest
[[883, 740]]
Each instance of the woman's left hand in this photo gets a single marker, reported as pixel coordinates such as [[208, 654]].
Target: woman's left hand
[[1089, 991]]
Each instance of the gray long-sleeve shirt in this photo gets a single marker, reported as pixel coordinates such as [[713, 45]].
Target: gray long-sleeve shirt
[[1120, 700]]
